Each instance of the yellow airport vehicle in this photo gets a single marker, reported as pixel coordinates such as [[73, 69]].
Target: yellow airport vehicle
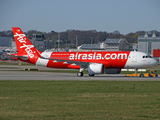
[[151, 73]]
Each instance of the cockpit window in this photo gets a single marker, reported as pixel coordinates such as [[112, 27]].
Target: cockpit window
[[148, 56]]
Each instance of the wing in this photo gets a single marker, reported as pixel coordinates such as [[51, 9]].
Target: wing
[[82, 64]]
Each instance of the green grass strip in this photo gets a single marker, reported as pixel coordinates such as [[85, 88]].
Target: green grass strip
[[79, 100]]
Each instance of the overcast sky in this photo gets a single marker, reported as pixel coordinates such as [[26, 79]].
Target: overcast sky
[[60, 15]]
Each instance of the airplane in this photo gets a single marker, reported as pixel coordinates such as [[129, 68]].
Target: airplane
[[95, 62]]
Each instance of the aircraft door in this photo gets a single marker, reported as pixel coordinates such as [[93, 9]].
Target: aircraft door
[[134, 57]]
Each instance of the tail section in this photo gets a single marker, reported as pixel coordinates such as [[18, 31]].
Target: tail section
[[24, 46]]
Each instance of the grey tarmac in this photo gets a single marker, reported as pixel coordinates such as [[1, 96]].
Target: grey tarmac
[[31, 75], [10, 72]]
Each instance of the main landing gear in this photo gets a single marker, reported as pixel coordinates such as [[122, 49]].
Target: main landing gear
[[80, 74], [91, 75]]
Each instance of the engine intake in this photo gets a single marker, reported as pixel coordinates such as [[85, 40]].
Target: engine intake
[[96, 68]]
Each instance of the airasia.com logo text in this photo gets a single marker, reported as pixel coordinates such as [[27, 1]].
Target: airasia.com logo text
[[98, 56]]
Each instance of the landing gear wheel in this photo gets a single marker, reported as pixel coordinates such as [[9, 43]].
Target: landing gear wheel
[[80, 74], [91, 75], [141, 75]]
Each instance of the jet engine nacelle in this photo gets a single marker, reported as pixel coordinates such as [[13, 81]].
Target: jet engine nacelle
[[96, 68], [112, 71]]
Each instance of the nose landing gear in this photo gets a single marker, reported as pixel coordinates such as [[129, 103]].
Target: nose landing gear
[[80, 74]]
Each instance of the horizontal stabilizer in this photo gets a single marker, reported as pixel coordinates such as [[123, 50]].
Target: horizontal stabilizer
[[21, 56]]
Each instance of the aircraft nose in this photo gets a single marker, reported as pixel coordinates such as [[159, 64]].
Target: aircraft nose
[[155, 62]]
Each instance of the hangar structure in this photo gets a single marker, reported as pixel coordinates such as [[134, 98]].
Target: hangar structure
[[148, 43], [5, 42], [108, 45]]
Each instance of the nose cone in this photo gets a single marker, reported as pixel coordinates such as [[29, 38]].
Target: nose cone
[[154, 62]]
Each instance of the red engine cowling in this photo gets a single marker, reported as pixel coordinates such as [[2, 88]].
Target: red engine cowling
[[112, 71]]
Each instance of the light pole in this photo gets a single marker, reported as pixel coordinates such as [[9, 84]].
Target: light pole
[[66, 43], [58, 40], [76, 41], [91, 40]]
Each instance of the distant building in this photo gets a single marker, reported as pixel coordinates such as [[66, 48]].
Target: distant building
[[5, 41], [156, 52], [38, 37], [148, 42], [48, 44], [91, 47], [39, 45], [117, 45], [2, 50], [38, 41], [135, 47], [109, 45]]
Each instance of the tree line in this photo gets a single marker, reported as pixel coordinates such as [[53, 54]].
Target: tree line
[[84, 37]]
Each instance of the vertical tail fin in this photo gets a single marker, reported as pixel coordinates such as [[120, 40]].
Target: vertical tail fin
[[24, 46]]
